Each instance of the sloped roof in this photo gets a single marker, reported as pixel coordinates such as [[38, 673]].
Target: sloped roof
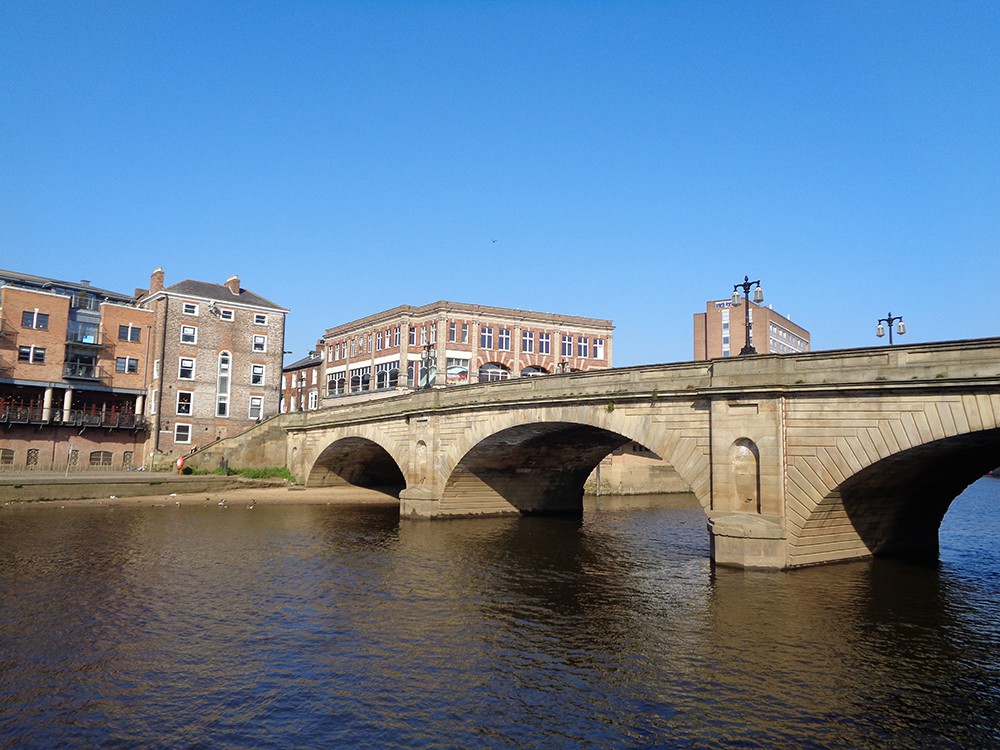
[[307, 361], [219, 293]]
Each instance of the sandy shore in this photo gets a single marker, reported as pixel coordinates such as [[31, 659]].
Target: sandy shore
[[236, 496]]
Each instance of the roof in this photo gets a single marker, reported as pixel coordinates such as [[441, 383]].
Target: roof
[[218, 293], [311, 360], [486, 311], [44, 282]]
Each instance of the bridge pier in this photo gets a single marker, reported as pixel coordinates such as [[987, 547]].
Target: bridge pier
[[743, 540], [419, 502]]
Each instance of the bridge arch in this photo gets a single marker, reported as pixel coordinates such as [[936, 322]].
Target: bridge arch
[[537, 460], [357, 461], [883, 485]]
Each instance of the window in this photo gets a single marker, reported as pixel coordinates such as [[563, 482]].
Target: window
[[185, 400], [465, 333], [567, 346], [259, 343], [598, 348], [222, 385], [413, 335], [226, 314], [582, 346], [129, 333], [6, 456], [156, 369], [31, 354], [189, 308], [35, 319], [189, 335], [503, 340], [533, 371], [182, 433], [493, 371], [458, 371], [313, 400], [185, 370], [545, 343], [257, 375], [423, 335], [378, 341], [453, 331], [395, 336], [256, 407], [153, 401], [260, 319], [528, 342], [126, 364], [100, 458], [485, 337]]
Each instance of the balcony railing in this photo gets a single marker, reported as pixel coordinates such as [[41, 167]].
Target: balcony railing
[[79, 371], [92, 417], [88, 335]]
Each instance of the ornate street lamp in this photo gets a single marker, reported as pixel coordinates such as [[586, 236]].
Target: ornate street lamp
[[758, 297], [889, 320], [426, 361]]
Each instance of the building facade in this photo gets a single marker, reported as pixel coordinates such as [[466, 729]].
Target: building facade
[[450, 343], [216, 359], [302, 384], [73, 375], [720, 331]]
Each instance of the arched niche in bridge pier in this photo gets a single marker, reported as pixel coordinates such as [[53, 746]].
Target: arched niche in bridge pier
[[745, 461]]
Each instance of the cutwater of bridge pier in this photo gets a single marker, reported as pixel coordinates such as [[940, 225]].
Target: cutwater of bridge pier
[[796, 459]]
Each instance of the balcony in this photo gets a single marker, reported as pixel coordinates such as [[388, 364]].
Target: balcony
[[84, 334], [87, 417], [81, 371]]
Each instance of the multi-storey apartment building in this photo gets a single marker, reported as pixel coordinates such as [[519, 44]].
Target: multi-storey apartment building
[[451, 343], [73, 375], [216, 361], [720, 331]]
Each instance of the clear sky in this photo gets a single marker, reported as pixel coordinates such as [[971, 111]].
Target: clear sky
[[616, 160]]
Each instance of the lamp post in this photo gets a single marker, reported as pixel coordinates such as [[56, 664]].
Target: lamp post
[[889, 320], [758, 297], [426, 361]]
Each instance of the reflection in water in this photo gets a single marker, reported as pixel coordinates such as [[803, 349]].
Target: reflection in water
[[343, 627]]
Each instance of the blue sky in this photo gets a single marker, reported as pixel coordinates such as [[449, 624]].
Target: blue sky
[[631, 160]]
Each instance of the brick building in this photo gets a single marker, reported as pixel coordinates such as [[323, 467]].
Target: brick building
[[302, 383], [216, 361], [73, 375], [720, 331], [451, 343]]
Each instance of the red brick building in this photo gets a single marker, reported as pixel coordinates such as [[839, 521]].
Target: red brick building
[[720, 331], [73, 375], [451, 343]]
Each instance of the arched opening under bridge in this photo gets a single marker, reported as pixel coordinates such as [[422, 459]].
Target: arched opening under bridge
[[535, 469], [359, 462]]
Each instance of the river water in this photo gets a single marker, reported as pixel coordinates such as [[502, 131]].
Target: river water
[[341, 627]]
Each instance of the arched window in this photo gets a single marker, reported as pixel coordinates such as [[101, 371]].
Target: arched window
[[533, 371], [394, 377], [100, 458], [222, 385], [493, 371]]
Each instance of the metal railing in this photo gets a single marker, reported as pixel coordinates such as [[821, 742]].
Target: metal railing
[[106, 418]]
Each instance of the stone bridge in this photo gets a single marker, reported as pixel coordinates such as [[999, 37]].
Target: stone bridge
[[796, 459]]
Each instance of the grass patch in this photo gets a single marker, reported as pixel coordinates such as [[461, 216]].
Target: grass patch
[[268, 472]]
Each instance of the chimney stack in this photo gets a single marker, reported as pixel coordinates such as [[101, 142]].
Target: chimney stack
[[156, 281], [233, 284]]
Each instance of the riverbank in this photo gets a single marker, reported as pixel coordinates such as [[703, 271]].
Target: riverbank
[[37, 490]]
